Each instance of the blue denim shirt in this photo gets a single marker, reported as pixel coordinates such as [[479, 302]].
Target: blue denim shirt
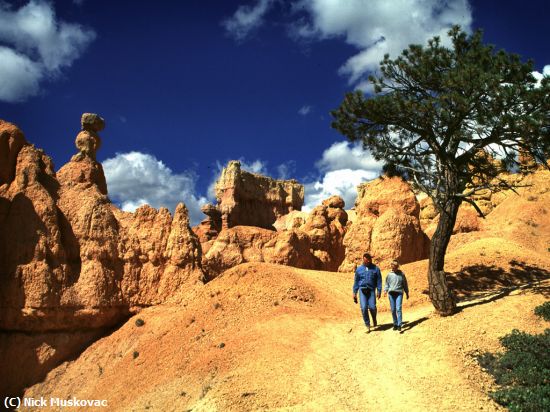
[[367, 277]]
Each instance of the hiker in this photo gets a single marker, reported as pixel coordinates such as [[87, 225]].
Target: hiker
[[367, 279], [396, 284]]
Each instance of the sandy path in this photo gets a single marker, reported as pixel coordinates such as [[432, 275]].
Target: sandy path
[[385, 370], [428, 367]]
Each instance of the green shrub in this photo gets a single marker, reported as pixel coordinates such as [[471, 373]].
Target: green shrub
[[522, 371], [534, 399], [543, 310]]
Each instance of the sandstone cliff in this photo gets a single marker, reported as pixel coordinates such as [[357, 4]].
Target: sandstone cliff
[[71, 264]]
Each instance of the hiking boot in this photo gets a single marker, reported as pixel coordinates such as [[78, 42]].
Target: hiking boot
[[374, 323], [399, 328], [368, 329], [394, 327]]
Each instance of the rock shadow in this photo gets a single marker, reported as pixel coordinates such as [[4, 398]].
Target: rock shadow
[[28, 357]]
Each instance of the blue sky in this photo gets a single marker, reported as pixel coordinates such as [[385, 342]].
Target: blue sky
[[185, 86]]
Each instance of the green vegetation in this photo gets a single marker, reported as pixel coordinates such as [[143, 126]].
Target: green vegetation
[[523, 370], [543, 311]]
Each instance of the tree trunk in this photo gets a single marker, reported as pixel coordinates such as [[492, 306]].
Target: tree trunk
[[440, 294]]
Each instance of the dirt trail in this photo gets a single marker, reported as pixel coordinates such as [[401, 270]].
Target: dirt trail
[[428, 367], [386, 369]]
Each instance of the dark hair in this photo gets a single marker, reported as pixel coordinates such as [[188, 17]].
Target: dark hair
[[367, 255]]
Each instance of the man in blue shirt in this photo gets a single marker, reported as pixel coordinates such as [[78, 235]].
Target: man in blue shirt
[[367, 279]]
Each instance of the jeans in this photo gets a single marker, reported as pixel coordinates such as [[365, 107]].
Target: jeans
[[367, 300], [396, 301]]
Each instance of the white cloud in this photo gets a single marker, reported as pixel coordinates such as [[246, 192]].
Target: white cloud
[[341, 182], [286, 170], [38, 45], [19, 76], [304, 110], [344, 165], [135, 178], [374, 27], [257, 166], [539, 76], [345, 155], [378, 27], [247, 19]]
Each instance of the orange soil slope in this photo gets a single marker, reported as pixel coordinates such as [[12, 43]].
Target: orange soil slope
[[270, 337]]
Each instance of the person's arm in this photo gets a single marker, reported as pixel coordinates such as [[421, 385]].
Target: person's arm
[[355, 285], [379, 283], [405, 285], [386, 285]]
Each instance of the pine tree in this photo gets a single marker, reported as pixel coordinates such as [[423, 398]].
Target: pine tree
[[439, 116]]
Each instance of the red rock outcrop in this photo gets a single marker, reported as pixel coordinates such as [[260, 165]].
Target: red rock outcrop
[[71, 263], [209, 228], [253, 200], [12, 141], [161, 255], [70, 259], [315, 244], [387, 225]]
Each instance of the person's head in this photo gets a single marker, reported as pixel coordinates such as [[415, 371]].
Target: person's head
[[367, 259], [394, 265]]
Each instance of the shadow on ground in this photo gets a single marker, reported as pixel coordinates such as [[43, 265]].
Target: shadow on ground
[[476, 279]]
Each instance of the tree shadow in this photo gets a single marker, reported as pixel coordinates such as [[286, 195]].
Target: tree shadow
[[481, 284], [475, 280]]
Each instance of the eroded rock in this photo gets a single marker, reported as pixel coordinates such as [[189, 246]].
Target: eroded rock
[[72, 265], [387, 225], [88, 141], [253, 200], [12, 141], [314, 244]]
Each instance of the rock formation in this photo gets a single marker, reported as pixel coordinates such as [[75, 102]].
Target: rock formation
[[253, 200], [88, 141], [71, 263], [326, 227], [313, 244], [292, 220], [209, 228], [160, 255], [11, 142], [387, 225]]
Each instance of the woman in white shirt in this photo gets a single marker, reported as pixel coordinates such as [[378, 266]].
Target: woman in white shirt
[[396, 285]]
